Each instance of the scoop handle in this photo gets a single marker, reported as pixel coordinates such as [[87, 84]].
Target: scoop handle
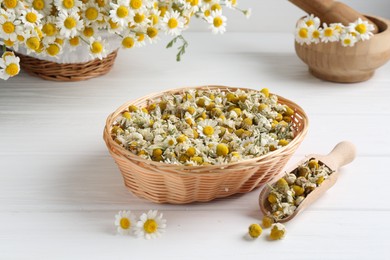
[[342, 154]]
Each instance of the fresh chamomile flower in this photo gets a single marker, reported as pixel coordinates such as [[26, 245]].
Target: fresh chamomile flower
[[49, 29], [68, 6], [315, 34], [42, 6], [114, 27], [12, 5], [348, 40], [208, 128], [32, 41], [152, 33], [91, 13], [173, 23], [363, 29], [9, 66], [120, 12], [53, 49], [150, 225], [302, 34], [139, 21], [30, 18], [97, 48], [140, 39], [329, 34], [128, 40], [312, 21], [231, 3], [125, 222], [10, 27], [217, 22], [69, 24]]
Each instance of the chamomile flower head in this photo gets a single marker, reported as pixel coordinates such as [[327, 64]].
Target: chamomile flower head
[[217, 22], [330, 34], [69, 6], [140, 39], [348, 40], [53, 49], [10, 27], [69, 24], [91, 13], [49, 29], [43, 7], [152, 33], [9, 66], [312, 21], [208, 128], [315, 34], [173, 23], [363, 29], [150, 225], [231, 3], [302, 33], [128, 40], [30, 18], [139, 21], [97, 48], [125, 222], [12, 5], [120, 13]]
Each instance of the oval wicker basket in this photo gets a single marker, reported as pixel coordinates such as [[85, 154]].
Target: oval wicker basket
[[67, 71], [177, 184]]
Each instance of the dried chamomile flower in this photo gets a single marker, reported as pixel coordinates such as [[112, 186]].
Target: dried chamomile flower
[[267, 222], [255, 230], [278, 231]]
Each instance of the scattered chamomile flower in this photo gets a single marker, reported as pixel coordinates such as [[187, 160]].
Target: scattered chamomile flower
[[312, 21], [173, 23], [278, 231], [150, 225], [9, 66], [125, 222], [255, 230], [302, 33], [267, 222]]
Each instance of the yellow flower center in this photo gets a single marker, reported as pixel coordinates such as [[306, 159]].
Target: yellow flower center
[[125, 223], [49, 29], [191, 152], [194, 2], [59, 41], [310, 23], [8, 27], [75, 41], [154, 19], [207, 13], [38, 4], [12, 69], [316, 34], [216, 7], [140, 36], [88, 32], [101, 3], [20, 38], [122, 12], [53, 49], [113, 25], [150, 226], [128, 42], [151, 32], [303, 33], [33, 43], [70, 23], [171, 142], [208, 130], [68, 4], [135, 4], [222, 149], [163, 10], [10, 4], [31, 17], [217, 22], [172, 23], [8, 43], [139, 18], [361, 28], [91, 13], [96, 47], [347, 41], [328, 32]]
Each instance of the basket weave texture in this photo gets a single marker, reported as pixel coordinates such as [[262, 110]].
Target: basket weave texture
[[177, 184], [67, 71]]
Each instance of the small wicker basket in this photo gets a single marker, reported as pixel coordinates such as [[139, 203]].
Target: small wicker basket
[[67, 71], [177, 184]]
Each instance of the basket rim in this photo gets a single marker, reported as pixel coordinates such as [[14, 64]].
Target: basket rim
[[202, 168]]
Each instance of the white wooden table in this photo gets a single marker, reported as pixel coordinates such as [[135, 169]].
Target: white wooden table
[[60, 189]]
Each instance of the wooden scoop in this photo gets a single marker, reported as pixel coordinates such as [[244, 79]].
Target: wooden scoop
[[330, 11], [342, 154]]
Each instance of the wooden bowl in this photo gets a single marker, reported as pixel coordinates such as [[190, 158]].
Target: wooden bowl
[[333, 62]]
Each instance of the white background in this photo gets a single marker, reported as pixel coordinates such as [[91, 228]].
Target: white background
[[281, 15]]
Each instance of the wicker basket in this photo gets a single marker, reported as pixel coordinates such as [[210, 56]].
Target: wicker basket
[[67, 71], [177, 184]]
